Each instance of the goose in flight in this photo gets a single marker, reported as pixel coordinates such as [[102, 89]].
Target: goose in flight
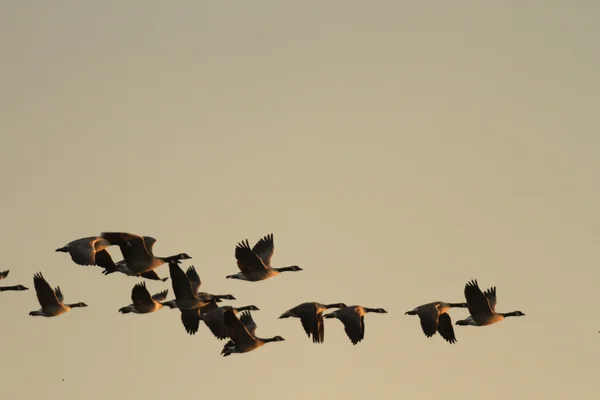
[[214, 320], [311, 317], [137, 258], [435, 318], [242, 333], [52, 301], [122, 265], [3, 275], [353, 318], [142, 302], [187, 298], [255, 263], [482, 306], [190, 318], [89, 251]]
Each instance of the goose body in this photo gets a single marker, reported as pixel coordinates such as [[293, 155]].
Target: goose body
[[311, 317], [482, 306], [138, 257], [89, 251], [242, 333], [143, 302], [434, 318], [255, 263], [51, 300], [3, 275], [353, 318]]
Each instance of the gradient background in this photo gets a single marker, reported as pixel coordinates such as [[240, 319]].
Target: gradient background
[[395, 149]]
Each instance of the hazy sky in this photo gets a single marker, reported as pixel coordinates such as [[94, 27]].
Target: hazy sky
[[395, 149]]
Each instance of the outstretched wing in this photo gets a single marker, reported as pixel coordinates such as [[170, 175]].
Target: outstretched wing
[[152, 275], [4, 274], [140, 294], [131, 245], [161, 296], [182, 288], [45, 295], [264, 249], [236, 330], [248, 322], [247, 260], [477, 302], [445, 328], [59, 294], [491, 296], [194, 278], [190, 320]]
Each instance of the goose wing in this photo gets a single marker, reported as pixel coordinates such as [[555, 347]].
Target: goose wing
[[247, 260], [161, 296], [477, 302], [194, 278], [131, 245], [354, 324], [214, 321], [182, 287], [149, 242], [428, 315], [445, 328], [190, 320], [59, 295], [310, 323], [153, 276], [248, 321], [491, 296], [265, 248], [4, 274], [236, 330], [45, 295], [140, 294], [104, 260], [209, 307]]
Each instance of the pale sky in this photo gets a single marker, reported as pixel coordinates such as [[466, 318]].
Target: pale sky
[[395, 149]]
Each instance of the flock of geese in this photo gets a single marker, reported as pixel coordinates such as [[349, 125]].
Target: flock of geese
[[254, 265]]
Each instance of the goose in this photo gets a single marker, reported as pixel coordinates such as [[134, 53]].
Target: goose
[[482, 306], [186, 297], [126, 249], [242, 333], [89, 251], [3, 275], [50, 300], [214, 318], [143, 302], [353, 318], [255, 263], [137, 258], [191, 318], [311, 317], [434, 317]]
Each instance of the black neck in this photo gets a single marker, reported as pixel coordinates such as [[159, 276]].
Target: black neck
[[269, 340], [510, 314], [3, 288], [284, 269], [335, 305], [461, 305]]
